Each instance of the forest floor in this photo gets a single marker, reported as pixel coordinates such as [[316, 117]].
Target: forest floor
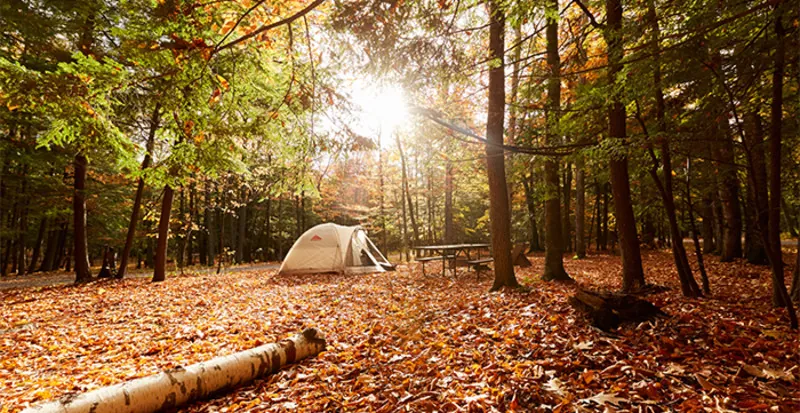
[[401, 341]]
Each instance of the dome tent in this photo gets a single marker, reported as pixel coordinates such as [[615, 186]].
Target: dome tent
[[334, 248]]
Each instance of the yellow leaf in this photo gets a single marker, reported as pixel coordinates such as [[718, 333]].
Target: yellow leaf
[[223, 82]]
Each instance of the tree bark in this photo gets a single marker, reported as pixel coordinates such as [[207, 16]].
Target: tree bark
[[176, 387], [23, 223], [580, 210], [632, 272], [780, 296], [37, 247], [697, 250], [495, 162], [80, 242], [708, 225], [566, 222], [530, 200], [210, 226], [757, 192], [689, 286], [160, 265], [554, 240], [411, 213], [449, 235], [137, 199]]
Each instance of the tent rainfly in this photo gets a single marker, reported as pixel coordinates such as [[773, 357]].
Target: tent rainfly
[[334, 248]]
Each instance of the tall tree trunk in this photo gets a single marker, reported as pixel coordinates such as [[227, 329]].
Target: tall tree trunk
[[80, 242], [580, 210], [160, 265], [689, 286], [530, 200], [242, 231], [181, 238], [209, 223], [268, 254], [697, 250], [708, 225], [406, 246], [554, 241], [495, 162], [137, 199], [757, 193], [382, 197], [407, 197], [37, 247], [795, 293], [566, 222], [23, 222], [51, 248], [449, 234], [780, 296], [632, 272]]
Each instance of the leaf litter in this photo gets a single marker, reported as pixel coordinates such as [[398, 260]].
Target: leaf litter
[[400, 341]]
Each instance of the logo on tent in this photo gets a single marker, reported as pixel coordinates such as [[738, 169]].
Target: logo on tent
[[316, 238]]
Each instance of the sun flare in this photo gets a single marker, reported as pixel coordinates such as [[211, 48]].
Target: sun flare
[[384, 107]]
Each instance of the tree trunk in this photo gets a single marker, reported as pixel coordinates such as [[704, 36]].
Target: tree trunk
[[780, 297], [411, 213], [51, 248], [689, 286], [209, 224], [757, 192], [580, 210], [495, 162], [795, 294], [632, 272], [697, 250], [530, 200], [708, 225], [160, 265], [405, 249], [566, 222], [179, 386], [37, 247], [137, 199], [554, 241], [80, 242], [242, 238], [23, 223], [449, 235]]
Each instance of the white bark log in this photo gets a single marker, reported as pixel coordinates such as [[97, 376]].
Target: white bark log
[[179, 386]]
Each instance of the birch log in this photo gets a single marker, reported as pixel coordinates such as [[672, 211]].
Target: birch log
[[176, 387]]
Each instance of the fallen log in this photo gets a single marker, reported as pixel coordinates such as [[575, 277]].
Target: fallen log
[[607, 311], [176, 387]]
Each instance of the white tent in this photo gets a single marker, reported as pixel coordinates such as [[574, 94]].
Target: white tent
[[334, 248]]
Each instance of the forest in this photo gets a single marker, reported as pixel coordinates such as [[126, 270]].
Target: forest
[[160, 158]]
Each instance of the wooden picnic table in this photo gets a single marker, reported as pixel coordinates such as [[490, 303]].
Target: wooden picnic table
[[451, 252]]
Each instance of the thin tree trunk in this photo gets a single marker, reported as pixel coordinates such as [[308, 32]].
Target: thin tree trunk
[[689, 286], [708, 225], [632, 272], [160, 265], [51, 249], [697, 250], [757, 192], [449, 235], [210, 227], [137, 199], [499, 210], [566, 222], [554, 242], [37, 247], [411, 213], [80, 242], [580, 210], [23, 223], [780, 296]]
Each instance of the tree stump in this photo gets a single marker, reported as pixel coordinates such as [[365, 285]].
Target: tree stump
[[607, 311]]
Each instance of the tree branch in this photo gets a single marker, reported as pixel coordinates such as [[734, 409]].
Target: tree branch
[[270, 26], [589, 14]]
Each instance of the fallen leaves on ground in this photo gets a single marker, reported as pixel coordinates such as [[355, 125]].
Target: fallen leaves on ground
[[400, 341]]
